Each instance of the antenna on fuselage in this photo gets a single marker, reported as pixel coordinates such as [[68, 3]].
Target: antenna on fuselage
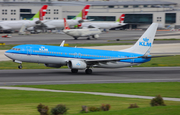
[[62, 44]]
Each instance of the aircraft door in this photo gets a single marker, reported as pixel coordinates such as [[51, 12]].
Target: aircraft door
[[29, 50]]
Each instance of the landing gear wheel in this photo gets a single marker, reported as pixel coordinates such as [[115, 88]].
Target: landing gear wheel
[[88, 71], [74, 70], [88, 38], [20, 66], [75, 38]]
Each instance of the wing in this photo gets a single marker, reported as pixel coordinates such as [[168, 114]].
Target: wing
[[3, 27], [94, 61]]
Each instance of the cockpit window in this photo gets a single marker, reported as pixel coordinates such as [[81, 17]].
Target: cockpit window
[[17, 49]]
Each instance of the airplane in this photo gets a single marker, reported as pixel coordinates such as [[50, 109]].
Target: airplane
[[82, 58], [87, 32], [17, 24], [51, 24], [104, 25]]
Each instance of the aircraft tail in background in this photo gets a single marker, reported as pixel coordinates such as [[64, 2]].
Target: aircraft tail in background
[[83, 14], [121, 18], [66, 27], [40, 14], [145, 42]]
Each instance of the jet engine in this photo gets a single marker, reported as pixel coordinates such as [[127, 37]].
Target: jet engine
[[96, 36], [76, 64], [53, 65]]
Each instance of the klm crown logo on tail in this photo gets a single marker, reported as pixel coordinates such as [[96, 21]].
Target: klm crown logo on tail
[[145, 42]]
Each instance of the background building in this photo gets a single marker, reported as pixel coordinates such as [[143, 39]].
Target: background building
[[139, 14]]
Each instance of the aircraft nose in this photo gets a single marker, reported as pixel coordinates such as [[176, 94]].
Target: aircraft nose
[[7, 54]]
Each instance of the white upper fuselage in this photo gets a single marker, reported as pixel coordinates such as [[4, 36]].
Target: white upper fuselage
[[59, 23], [16, 25], [102, 25], [82, 32]]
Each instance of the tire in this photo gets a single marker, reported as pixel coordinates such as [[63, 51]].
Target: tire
[[20, 66], [74, 70], [75, 38], [88, 71]]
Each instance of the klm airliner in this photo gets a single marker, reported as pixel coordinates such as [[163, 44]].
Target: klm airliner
[[81, 58]]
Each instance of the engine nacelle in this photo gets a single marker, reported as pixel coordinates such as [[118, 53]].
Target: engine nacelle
[[76, 64], [96, 36], [53, 65]]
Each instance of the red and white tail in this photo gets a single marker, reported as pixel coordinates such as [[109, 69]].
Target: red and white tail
[[42, 12], [66, 27], [121, 19], [85, 11]]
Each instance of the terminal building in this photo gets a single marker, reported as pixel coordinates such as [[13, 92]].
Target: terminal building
[[138, 13]]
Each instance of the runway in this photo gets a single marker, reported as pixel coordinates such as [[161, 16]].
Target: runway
[[64, 76], [110, 37]]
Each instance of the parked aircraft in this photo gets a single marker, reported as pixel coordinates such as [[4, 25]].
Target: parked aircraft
[[81, 58], [87, 32], [104, 25], [17, 24], [51, 24]]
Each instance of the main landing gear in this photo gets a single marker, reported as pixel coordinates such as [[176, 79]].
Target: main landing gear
[[87, 71], [20, 66]]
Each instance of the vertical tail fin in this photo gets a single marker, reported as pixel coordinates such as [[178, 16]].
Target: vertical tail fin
[[39, 15], [83, 14], [66, 27], [145, 42], [121, 18]]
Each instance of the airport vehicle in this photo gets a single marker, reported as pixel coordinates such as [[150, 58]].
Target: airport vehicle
[[6, 36], [17, 24], [87, 32], [51, 24], [82, 58], [104, 25]]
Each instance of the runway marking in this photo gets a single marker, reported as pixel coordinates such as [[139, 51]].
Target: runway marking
[[92, 93], [85, 81]]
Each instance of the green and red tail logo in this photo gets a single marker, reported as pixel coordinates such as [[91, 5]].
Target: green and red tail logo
[[121, 18], [41, 13], [83, 14]]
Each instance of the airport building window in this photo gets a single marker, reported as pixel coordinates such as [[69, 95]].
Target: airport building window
[[48, 18], [138, 18], [26, 16], [170, 18], [25, 10], [98, 18], [55, 18], [145, 6], [111, 6], [125, 6], [135, 6]]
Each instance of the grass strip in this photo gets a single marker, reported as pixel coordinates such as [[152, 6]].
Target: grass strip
[[155, 62], [15, 102], [165, 89]]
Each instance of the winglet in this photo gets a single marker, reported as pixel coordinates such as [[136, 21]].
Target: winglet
[[145, 42], [62, 44], [39, 15], [66, 27]]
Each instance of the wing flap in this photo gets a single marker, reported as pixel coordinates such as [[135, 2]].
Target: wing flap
[[112, 59]]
